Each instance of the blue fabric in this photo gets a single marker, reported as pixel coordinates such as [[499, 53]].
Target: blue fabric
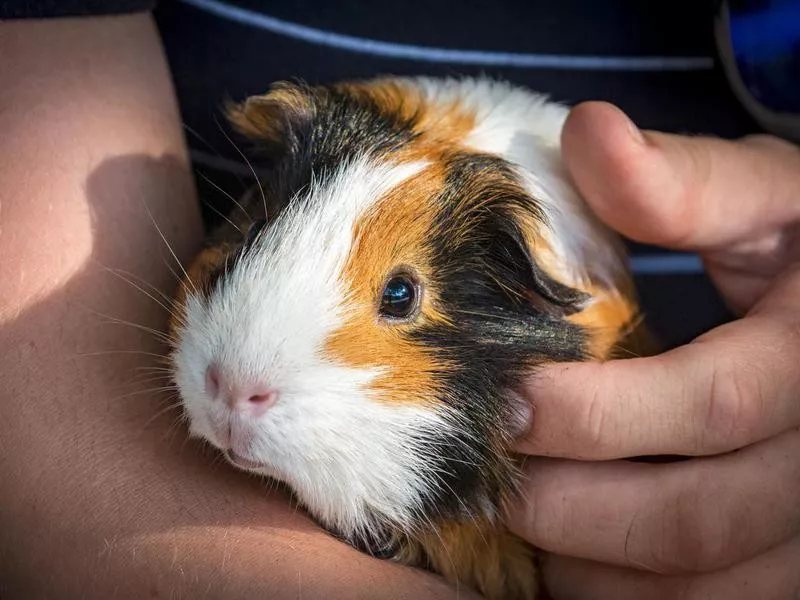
[[766, 46]]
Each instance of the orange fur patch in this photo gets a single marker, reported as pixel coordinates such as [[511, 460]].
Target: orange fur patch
[[441, 128], [261, 117], [609, 317], [391, 235], [196, 281]]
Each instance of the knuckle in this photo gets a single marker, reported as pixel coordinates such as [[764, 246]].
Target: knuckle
[[765, 141], [595, 418], [699, 535], [679, 221], [734, 410], [538, 519], [597, 424], [676, 226]]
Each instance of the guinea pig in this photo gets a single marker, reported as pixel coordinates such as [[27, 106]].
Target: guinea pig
[[414, 250]]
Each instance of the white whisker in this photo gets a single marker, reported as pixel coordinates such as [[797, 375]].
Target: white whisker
[[221, 215], [108, 352], [169, 247], [133, 284], [255, 175], [226, 194], [155, 390], [172, 406], [160, 335], [212, 148]]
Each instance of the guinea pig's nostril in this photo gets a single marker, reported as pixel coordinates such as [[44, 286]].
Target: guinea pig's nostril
[[253, 399], [212, 381], [267, 398], [254, 404], [251, 402]]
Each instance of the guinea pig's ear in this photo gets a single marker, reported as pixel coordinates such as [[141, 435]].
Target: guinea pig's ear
[[515, 257], [275, 119]]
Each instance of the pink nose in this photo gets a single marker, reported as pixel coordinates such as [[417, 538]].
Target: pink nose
[[250, 399]]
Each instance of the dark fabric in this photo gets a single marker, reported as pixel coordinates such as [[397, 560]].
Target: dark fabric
[[46, 9], [215, 58]]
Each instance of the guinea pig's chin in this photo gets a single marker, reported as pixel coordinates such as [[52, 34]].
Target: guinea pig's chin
[[250, 465], [348, 457], [198, 432], [200, 428]]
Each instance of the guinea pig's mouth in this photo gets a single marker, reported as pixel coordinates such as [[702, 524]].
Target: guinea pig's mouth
[[242, 462]]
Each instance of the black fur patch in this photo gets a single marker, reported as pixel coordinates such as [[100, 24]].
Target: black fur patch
[[336, 127], [485, 280]]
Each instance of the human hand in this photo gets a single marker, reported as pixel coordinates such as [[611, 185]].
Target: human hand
[[725, 524]]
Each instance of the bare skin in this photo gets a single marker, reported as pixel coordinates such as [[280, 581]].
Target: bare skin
[[102, 496], [727, 524]]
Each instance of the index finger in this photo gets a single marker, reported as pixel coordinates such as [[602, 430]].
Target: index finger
[[736, 385]]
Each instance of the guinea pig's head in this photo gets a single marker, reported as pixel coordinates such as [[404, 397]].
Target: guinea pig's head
[[362, 344]]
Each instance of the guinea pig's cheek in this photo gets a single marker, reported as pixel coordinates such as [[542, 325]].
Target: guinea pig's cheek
[[199, 428], [197, 409], [348, 457], [201, 421]]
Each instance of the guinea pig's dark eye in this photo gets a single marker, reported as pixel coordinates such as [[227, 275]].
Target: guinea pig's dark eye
[[253, 231], [400, 297]]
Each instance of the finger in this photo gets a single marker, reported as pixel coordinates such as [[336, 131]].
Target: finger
[[700, 515], [772, 576], [684, 192], [734, 386]]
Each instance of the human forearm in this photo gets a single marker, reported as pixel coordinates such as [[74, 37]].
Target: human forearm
[[98, 496]]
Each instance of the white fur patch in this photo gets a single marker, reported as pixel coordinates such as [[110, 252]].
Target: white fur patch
[[524, 128], [345, 454]]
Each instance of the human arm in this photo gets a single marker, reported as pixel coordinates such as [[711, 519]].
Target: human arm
[[101, 495]]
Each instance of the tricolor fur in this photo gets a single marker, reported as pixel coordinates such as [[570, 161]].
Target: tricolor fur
[[396, 435]]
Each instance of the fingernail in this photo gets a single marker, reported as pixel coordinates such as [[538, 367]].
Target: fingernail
[[520, 415]]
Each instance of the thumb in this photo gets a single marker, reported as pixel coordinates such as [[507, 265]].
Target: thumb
[[690, 193]]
